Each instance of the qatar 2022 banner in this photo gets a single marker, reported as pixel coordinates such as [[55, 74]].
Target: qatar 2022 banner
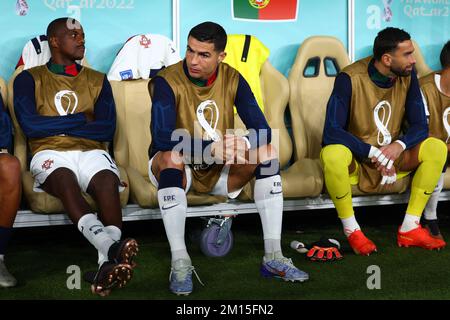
[[428, 22], [106, 23]]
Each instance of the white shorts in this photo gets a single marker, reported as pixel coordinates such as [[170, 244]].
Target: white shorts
[[220, 189], [84, 164]]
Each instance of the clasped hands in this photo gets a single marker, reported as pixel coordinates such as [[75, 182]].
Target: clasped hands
[[384, 159], [231, 149]]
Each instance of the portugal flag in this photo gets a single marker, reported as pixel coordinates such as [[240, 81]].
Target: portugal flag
[[265, 10]]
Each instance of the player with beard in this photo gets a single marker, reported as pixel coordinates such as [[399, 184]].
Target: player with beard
[[364, 145]]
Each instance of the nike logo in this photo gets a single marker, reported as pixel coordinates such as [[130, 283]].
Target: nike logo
[[275, 192], [427, 193], [167, 207], [95, 226], [339, 198]]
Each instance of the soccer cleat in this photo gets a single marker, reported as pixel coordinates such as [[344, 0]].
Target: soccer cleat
[[6, 279], [419, 237], [124, 252], [282, 268], [180, 277], [432, 227], [110, 275], [361, 244]]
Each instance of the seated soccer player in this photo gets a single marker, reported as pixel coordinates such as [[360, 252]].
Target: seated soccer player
[[197, 95], [363, 143], [10, 190], [436, 96], [67, 112]]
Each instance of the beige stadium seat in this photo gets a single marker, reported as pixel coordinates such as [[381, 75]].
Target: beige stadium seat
[[447, 179], [42, 202], [311, 84], [421, 66]]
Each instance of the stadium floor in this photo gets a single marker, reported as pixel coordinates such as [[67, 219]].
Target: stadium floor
[[39, 258]]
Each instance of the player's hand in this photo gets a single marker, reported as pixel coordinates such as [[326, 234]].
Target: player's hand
[[386, 155], [232, 149], [392, 151]]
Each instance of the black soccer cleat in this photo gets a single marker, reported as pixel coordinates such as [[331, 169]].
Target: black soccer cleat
[[110, 275], [124, 252]]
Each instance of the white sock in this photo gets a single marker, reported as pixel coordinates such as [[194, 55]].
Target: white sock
[[180, 254], [93, 230], [272, 245], [2, 257], [350, 225], [430, 212], [410, 222], [115, 234], [273, 255], [268, 196], [173, 206]]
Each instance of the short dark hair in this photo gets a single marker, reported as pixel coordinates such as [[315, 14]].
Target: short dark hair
[[445, 56], [210, 32], [387, 40], [56, 25]]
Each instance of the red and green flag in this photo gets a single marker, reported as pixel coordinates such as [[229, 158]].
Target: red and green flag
[[265, 10]]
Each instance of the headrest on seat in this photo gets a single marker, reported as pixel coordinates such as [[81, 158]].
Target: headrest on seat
[[36, 52], [142, 56]]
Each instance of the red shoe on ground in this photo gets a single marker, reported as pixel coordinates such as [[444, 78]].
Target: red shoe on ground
[[419, 237], [361, 244]]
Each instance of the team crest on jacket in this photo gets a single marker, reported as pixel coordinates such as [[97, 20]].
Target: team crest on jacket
[[66, 102], [145, 42], [259, 4], [47, 164]]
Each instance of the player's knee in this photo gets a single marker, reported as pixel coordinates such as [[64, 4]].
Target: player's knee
[[171, 159], [106, 179], [433, 149], [335, 155], [10, 169]]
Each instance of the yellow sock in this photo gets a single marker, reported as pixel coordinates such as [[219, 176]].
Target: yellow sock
[[336, 159], [432, 157]]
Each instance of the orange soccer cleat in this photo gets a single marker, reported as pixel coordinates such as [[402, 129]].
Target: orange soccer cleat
[[361, 244], [419, 237]]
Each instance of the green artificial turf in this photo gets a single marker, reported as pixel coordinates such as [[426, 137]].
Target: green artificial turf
[[39, 258]]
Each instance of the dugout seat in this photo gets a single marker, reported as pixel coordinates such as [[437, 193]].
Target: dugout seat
[[42, 202], [421, 66], [319, 59]]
